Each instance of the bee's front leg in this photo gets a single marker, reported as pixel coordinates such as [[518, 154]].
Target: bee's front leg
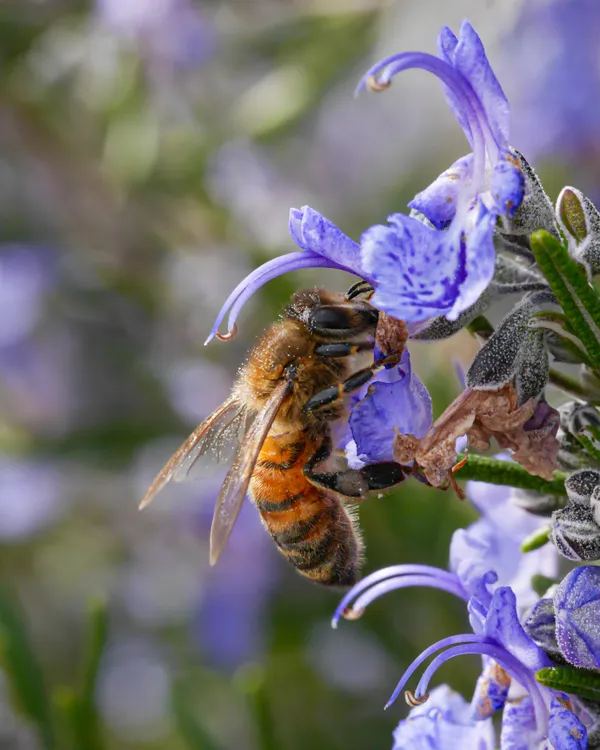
[[336, 392]]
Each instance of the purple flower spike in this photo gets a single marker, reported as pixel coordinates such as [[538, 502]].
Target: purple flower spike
[[577, 607]]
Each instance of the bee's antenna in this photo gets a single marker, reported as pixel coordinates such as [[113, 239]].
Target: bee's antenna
[[361, 287]]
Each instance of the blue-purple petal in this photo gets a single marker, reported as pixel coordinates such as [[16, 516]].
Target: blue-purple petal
[[477, 244], [443, 723], [577, 608], [491, 690], [519, 728], [508, 184], [312, 231], [268, 271], [502, 625], [468, 57], [439, 201], [416, 275], [566, 732], [396, 402], [447, 42]]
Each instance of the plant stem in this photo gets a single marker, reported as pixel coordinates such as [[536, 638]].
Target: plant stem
[[494, 471]]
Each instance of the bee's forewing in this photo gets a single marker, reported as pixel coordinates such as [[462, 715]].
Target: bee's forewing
[[238, 477], [208, 439]]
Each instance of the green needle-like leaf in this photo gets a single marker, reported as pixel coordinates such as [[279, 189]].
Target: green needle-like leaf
[[79, 706], [24, 672], [483, 469], [191, 730], [582, 682], [569, 283], [536, 540]]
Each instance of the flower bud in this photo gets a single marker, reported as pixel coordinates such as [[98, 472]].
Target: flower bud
[[515, 353], [577, 610], [576, 534], [580, 222], [580, 486], [540, 626]]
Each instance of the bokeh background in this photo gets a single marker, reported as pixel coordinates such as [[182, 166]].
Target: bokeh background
[[150, 151]]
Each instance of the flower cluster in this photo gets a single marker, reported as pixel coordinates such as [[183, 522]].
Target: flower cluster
[[484, 229]]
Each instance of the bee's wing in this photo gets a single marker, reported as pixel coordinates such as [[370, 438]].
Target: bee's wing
[[216, 437], [238, 477]]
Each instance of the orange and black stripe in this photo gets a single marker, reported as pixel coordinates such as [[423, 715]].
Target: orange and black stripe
[[310, 526]]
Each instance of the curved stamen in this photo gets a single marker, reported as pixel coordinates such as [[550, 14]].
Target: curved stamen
[[386, 69], [506, 660], [404, 582], [453, 640], [391, 571], [268, 271]]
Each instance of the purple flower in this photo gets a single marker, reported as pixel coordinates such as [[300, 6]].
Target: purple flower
[[494, 543], [551, 53], [26, 274], [443, 723], [169, 31], [31, 497], [394, 401], [577, 609], [418, 271], [497, 635]]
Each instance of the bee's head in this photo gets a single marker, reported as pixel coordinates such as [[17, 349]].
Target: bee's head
[[332, 316]]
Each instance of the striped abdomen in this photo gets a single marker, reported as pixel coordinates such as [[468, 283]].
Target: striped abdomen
[[311, 527]]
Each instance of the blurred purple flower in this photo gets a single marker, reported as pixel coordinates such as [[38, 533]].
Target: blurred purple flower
[[443, 723], [38, 383], [31, 497], [419, 272], [494, 543], [231, 623], [552, 54], [169, 31], [26, 274]]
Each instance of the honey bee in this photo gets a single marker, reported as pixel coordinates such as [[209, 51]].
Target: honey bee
[[278, 421]]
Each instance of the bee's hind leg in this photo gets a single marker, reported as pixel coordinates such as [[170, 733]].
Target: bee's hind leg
[[352, 483]]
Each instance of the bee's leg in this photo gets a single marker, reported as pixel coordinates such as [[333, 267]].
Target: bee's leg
[[352, 483], [335, 392], [343, 349]]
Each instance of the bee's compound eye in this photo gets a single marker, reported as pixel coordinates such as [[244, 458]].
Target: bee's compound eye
[[330, 318], [354, 318]]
